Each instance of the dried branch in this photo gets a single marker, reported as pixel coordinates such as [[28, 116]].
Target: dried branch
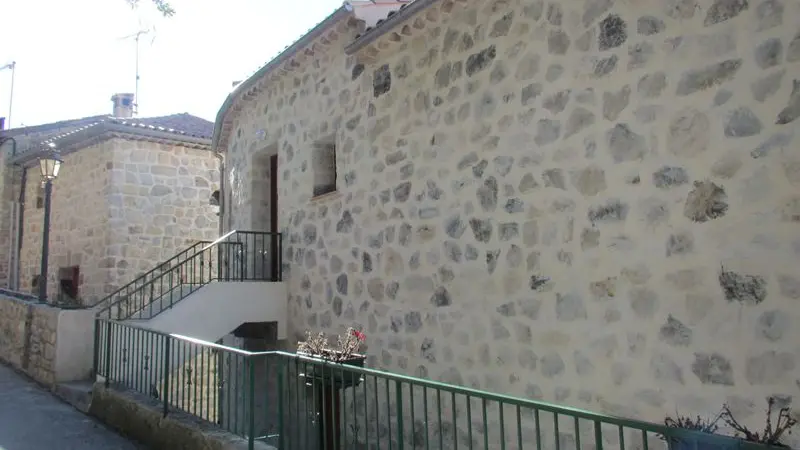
[[771, 435], [314, 344], [697, 424], [347, 345]]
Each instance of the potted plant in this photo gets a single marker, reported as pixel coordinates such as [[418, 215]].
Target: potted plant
[[770, 436], [772, 433], [346, 352], [678, 441], [328, 379]]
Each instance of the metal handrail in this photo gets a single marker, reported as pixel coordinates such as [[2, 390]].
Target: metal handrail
[[146, 274], [401, 384], [181, 266]]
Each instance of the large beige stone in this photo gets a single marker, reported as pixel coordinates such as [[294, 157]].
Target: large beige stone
[[118, 210], [679, 181]]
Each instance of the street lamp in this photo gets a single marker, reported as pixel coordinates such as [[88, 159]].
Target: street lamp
[[49, 164]]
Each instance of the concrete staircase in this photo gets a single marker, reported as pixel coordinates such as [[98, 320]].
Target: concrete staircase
[[208, 313], [204, 293]]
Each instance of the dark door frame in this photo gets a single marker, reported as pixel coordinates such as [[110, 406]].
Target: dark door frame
[[273, 218]]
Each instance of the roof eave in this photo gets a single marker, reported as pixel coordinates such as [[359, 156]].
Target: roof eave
[[106, 130], [387, 25], [65, 145], [341, 13], [68, 123], [159, 134]]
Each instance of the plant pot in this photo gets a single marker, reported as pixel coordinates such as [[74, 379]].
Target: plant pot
[[703, 443], [331, 375]]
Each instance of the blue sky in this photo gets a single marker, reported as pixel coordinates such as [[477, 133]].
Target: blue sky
[[70, 58]]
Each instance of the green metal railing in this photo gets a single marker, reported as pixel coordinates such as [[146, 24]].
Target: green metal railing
[[236, 256], [150, 275], [296, 402]]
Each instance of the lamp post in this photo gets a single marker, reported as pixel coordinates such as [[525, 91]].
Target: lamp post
[[49, 164]]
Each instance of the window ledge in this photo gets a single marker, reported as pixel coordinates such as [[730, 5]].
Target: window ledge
[[326, 196]]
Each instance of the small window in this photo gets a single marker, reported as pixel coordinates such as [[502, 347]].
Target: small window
[[324, 169], [214, 202], [40, 197], [68, 282]]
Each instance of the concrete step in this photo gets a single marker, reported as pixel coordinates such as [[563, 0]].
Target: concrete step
[[76, 393]]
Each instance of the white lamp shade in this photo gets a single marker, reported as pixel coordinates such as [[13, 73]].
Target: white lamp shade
[[49, 165]]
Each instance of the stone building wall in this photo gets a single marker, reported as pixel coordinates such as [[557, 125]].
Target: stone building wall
[[159, 204], [12, 331], [7, 195], [593, 203], [79, 223], [28, 334], [119, 208], [11, 181], [260, 188]]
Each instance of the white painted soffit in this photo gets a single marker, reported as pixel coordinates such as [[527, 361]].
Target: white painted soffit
[[371, 11]]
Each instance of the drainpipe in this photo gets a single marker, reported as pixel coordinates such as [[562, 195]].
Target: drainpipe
[[23, 183], [13, 143], [21, 210]]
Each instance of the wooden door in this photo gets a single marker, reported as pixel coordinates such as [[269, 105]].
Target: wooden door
[[275, 247]]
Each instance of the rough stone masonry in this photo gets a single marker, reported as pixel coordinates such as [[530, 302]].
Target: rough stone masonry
[[140, 203], [595, 203]]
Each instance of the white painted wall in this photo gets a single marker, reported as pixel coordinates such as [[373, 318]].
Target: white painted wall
[[74, 345], [218, 308], [212, 312]]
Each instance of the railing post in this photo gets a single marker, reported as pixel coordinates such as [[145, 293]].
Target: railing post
[[96, 350], [399, 400], [251, 435], [108, 353], [166, 375], [281, 431], [220, 261], [598, 435], [242, 261], [225, 258], [202, 267]]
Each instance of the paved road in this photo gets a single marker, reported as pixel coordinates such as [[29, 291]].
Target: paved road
[[33, 419]]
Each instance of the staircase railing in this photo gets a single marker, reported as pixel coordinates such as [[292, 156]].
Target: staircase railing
[[151, 274], [236, 256]]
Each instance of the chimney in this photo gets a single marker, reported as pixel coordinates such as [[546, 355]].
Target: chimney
[[123, 105]]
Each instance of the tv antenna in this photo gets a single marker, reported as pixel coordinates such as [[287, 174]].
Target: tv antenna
[[13, 67], [136, 37]]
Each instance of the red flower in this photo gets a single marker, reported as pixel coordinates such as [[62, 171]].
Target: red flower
[[359, 335]]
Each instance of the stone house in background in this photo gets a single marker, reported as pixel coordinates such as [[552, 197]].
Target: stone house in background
[[131, 192], [590, 202]]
